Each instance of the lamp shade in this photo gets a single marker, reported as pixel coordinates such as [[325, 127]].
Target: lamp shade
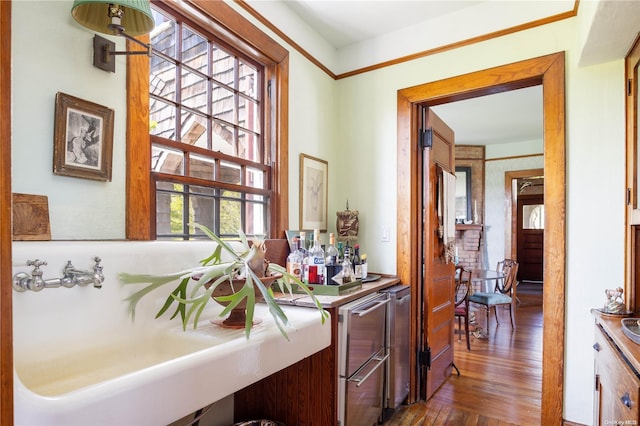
[[94, 14]]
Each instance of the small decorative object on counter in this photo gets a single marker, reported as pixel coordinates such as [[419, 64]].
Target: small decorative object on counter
[[331, 265], [615, 301], [316, 260]]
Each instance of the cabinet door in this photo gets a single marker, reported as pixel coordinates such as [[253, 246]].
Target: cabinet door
[[618, 386]]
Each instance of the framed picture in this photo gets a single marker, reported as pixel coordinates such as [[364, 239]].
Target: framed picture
[[83, 139], [313, 193], [295, 233]]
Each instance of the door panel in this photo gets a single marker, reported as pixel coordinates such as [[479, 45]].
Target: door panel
[[530, 237], [438, 278]]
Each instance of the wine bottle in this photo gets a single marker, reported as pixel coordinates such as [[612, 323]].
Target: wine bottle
[[357, 262], [331, 265]]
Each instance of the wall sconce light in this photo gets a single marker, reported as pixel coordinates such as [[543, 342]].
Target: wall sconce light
[[113, 17]]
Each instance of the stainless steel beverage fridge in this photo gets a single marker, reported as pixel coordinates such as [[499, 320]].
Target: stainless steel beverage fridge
[[362, 359], [397, 369]]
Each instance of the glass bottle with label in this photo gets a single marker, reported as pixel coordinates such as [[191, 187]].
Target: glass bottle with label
[[304, 273], [331, 265], [347, 252], [364, 271], [316, 261], [357, 262], [294, 260]]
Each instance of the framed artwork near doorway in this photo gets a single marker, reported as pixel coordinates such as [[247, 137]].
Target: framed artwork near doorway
[[313, 192], [83, 139]]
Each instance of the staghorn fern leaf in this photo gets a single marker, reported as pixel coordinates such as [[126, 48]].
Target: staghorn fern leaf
[[192, 302]]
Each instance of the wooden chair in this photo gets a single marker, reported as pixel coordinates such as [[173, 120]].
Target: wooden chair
[[504, 293], [463, 286]]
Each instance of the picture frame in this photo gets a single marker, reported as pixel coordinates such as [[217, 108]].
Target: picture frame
[[295, 233], [314, 174], [83, 139]]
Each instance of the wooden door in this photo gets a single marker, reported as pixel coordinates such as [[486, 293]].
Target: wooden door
[[438, 276], [530, 237]]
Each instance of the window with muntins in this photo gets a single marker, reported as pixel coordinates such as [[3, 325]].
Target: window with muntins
[[209, 157]]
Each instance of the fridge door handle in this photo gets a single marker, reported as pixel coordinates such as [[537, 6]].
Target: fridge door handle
[[380, 360], [372, 308]]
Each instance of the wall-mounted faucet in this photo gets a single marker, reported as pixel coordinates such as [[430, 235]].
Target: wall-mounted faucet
[[71, 277]]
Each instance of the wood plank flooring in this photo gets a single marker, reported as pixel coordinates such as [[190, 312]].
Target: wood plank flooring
[[500, 379]]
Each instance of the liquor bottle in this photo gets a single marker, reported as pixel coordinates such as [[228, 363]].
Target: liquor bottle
[[357, 262], [316, 261], [347, 252], [331, 265], [364, 267], [340, 253], [305, 257], [294, 260], [346, 274]]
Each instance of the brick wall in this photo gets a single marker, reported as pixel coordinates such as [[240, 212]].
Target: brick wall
[[469, 245]]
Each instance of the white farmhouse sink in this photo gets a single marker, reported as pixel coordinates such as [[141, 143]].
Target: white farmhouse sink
[[78, 358]]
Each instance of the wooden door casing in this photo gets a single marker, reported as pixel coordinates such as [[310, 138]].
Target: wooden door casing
[[549, 71]]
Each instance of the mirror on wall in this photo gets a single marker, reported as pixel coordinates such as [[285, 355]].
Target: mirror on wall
[[470, 161], [463, 194]]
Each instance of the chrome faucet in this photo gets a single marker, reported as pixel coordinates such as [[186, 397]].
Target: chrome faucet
[[71, 277]]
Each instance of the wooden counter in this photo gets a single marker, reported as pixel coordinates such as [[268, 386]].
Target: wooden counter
[[617, 382]]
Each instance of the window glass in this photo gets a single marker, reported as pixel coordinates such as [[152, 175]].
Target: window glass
[[533, 216], [206, 114]]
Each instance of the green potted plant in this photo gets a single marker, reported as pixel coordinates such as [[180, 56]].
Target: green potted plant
[[237, 284]]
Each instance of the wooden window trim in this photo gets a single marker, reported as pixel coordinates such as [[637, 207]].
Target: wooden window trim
[[6, 291], [234, 29]]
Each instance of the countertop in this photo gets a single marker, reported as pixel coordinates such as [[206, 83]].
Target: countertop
[[334, 301], [612, 326]]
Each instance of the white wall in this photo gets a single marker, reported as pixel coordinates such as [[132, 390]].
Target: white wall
[[352, 124], [52, 53]]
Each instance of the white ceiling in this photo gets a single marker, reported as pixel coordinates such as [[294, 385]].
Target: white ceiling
[[342, 23], [349, 26]]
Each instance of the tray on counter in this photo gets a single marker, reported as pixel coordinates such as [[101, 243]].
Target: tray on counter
[[329, 290], [631, 328]]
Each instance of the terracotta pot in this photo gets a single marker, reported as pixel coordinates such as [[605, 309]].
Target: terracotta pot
[[237, 316]]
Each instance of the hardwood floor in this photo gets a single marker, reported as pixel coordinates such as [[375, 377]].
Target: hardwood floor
[[500, 379]]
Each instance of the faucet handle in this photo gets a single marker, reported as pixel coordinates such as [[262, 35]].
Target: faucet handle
[[36, 263]]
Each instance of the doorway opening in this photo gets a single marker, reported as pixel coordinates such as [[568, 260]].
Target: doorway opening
[[524, 190], [548, 71]]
